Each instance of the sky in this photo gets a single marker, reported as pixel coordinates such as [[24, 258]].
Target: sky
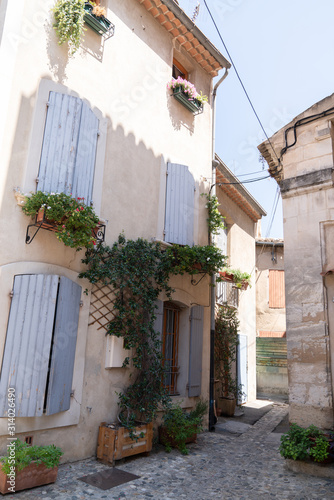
[[283, 51]]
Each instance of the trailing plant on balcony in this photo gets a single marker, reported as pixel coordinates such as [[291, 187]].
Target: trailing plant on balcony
[[239, 278], [69, 22], [74, 220], [196, 259], [215, 219]]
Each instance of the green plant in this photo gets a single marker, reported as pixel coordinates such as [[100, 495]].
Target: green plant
[[179, 425], [69, 22], [138, 271], [299, 443], [197, 259], [20, 455], [215, 219], [226, 343], [240, 279], [75, 221], [188, 88]]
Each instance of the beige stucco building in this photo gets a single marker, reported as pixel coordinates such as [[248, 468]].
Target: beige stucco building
[[131, 132], [242, 219], [300, 158]]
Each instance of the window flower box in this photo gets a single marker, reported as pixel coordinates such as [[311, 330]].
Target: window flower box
[[191, 104], [187, 95], [99, 24]]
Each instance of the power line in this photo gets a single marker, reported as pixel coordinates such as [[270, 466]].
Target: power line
[[275, 205], [241, 83]]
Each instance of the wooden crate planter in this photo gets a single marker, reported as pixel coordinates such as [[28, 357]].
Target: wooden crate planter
[[31, 476], [116, 443]]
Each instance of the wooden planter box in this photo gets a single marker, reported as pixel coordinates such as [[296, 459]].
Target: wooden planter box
[[227, 406], [115, 443], [29, 477]]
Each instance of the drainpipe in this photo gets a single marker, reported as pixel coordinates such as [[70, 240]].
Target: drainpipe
[[213, 277]]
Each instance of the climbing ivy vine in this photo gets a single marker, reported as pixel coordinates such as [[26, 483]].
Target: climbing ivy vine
[[138, 272]]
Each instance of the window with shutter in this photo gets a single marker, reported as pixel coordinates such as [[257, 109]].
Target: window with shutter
[[40, 345], [179, 211], [276, 289], [67, 162]]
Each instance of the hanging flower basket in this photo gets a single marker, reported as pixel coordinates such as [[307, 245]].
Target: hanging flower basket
[[99, 24]]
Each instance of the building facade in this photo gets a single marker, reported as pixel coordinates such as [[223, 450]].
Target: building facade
[[100, 125], [300, 158]]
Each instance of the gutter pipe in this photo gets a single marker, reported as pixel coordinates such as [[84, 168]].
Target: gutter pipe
[[213, 277]]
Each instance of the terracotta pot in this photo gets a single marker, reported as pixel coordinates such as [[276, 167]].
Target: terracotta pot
[[226, 277], [29, 477], [168, 439], [227, 406]]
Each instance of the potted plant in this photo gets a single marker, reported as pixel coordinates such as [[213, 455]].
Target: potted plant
[[240, 279], [196, 259], [73, 222], [186, 93], [180, 427], [95, 17], [225, 352], [311, 443], [27, 466], [69, 22]]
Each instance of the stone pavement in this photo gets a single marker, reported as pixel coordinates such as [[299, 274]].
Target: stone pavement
[[225, 465]]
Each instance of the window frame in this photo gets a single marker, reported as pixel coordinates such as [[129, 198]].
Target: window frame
[[172, 373], [179, 67]]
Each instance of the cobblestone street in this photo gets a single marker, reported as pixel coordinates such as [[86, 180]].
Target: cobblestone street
[[221, 465]]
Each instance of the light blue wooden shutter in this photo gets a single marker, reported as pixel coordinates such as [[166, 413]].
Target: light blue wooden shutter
[[195, 354], [242, 367], [63, 348], [60, 143], [85, 160], [28, 340], [179, 214], [69, 147]]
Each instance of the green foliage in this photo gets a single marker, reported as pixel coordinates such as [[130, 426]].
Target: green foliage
[[75, 220], [180, 425], [215, 220], [240, 278], [138, 271], [197, 259], [299, 443], [226, 343], [23, 455], [69, 22]]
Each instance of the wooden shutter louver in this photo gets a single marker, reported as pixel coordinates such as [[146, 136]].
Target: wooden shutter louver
[[179, 215], [69, 147], [63, 349], [43, 322], [28, 340], [195, 351], [276, 289]]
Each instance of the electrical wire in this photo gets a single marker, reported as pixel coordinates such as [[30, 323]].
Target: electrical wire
[[275, 205], [241, 83]]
